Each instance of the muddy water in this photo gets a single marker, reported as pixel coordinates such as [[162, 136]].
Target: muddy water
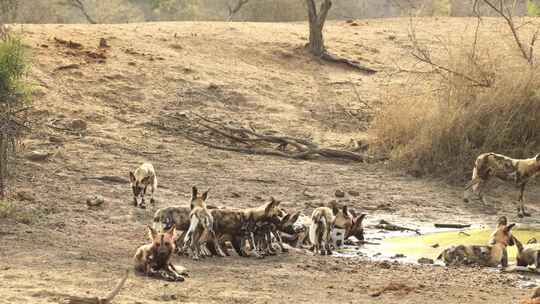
[[409, 247]]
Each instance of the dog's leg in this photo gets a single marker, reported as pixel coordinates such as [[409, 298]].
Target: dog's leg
[[215, 243], [521, 203], [154, 186], [277, 235], [504, 259], [143, 205], [180, 243], [237, 245]]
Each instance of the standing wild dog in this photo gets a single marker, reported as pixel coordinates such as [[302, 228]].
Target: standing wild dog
[[490, 256], [201, 221], [154, 259], [349, 221], [322, 222], [518, 171], [528, 255], [142, 178]]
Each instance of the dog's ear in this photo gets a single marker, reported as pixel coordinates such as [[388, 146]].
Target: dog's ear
[[274, 202], [132, 178], [194, 193], [537, 157], [360, 219], [295, 217], [205, 195], [285, 219], [503, 221], [335, 210], [509, 227], [353, 213], [345, 210], [152, 234]]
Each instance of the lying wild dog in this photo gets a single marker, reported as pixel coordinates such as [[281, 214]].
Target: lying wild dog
[[535, 299], [518, 171], [490, 256], [154, 259], [528, 255], [322, 222], [142, 178], [201, 221]]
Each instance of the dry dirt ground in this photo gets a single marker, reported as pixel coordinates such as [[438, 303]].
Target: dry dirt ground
[[95, 118]]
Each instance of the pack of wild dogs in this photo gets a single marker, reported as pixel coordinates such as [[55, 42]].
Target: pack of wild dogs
[[201, 230]]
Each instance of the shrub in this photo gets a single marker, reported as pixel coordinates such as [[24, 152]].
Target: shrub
[[442, 134], [14, 95]]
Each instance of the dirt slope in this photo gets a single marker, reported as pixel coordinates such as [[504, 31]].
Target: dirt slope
[[95, 119]]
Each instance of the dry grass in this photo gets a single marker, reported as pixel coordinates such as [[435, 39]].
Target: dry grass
[[442, 133]]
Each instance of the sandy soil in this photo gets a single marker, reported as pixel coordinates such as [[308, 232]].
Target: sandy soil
[[253, 73]]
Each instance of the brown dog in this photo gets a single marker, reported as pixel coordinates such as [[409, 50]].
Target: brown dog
[[154, 259], [517, 171], [490, 256]]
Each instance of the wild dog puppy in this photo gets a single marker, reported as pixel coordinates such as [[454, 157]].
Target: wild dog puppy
[[154, 259], [201, 221], [518, 171], [141, 179], [528, 255], [490, 256], [322, 222]]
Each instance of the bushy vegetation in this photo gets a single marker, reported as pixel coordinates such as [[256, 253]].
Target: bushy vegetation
[[14, 97], [441, 134]]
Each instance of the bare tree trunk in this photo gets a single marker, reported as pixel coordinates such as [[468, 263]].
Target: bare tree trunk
[[316, 25], [236, 8]]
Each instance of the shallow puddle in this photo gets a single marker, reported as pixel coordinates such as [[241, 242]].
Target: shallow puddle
[[410, 247]]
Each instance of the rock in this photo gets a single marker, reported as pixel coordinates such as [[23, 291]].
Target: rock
[[26, 196], [95, 201], [55, 139], [385, 265], [353, 193], [435, 245], [398, 256], [339, 193], [425, 261], [103, 43], [78, 125], [308, 194], [38, 155]]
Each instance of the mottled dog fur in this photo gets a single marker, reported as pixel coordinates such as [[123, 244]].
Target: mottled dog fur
[[154, 259], [517, 171], [322, 222], [480, 255], [201, 223], [141, 179], [528, 255]]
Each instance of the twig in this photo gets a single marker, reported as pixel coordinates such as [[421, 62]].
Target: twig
[[457, 226]]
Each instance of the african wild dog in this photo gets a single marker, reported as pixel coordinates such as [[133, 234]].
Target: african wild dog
[[322, 222], [142, 178], [518, 171], [164, 218], [528, 255], [201, 222], [501, 222], [349, 221], [154, 259], [480, 255], [535, 299]]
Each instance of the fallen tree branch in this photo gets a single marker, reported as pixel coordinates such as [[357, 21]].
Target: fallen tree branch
[[350, 63], [224, 136], [384, 225], [456, 226], [108, 178]]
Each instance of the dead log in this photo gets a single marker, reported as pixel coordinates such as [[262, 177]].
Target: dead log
[[95, 300], [108, 178], [224, 136], [456, 226], [384, 225]]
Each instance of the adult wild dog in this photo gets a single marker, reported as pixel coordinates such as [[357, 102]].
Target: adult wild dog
[[528, 255], [322, 222], [201, 221], [490, 256], [349, 221], [518, 171], [501, 222], [154, 259], [141, 179]]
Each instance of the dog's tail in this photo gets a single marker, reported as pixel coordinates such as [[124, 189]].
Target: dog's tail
[[193, 224], [314, 228]]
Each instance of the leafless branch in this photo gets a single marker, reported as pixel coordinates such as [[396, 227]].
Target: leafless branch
[[79, 4], [224, 136]]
